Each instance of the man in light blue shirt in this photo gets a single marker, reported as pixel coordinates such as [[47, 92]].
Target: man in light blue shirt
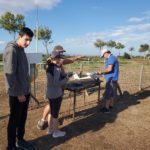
[[110, 72]]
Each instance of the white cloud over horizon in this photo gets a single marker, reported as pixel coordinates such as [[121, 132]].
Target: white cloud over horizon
[[130, 35], [17, 6]]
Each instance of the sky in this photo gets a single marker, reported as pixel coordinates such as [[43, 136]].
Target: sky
[[77, 24]]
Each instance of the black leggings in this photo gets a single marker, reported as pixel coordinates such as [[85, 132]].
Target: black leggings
[[17, 119], [55, 106]]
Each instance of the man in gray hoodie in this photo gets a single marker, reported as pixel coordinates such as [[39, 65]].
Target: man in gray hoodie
[[17, 87]]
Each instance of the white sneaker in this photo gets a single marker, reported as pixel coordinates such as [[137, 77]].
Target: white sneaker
[[58, 134]]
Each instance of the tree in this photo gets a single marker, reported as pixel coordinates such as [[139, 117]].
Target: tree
[[44, 34], [1, 57], [131, 49], [12, 23], [126, 55], [144, 48], [111, 44], [119, 46], [99, 44]]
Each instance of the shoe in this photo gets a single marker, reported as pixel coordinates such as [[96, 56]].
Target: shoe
[[58, 133], [24, 145], [49, 132], [12, 148], [41, 125], [105, 110]]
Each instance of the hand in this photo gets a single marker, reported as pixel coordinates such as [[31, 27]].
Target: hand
[[100, 72], [69, 74], [77, 57], [21, 98]]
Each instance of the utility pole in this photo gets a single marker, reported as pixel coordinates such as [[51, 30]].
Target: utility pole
[[37, 27]]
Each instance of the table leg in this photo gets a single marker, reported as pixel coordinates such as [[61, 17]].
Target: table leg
[[84, 96], [74, 105], [119, 89], [99, 93]]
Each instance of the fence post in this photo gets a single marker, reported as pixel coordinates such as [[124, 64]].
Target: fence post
[[34, 86], [141, 74], [81, 70], [70, 69]]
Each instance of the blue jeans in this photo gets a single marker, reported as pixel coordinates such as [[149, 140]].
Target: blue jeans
[[111, 90]]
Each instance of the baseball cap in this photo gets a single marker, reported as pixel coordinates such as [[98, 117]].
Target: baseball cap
[[57, 54], [59, 48], [103, 51]]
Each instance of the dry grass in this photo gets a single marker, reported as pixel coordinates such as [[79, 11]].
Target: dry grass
[[127, 127]]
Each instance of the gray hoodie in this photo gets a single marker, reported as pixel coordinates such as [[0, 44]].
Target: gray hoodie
[[16, 70]]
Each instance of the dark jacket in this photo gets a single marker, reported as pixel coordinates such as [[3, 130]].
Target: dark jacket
[[16, 70]]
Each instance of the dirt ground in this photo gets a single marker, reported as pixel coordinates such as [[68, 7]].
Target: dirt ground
[[127, 127]]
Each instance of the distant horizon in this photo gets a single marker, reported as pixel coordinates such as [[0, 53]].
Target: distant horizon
[[142, 54]]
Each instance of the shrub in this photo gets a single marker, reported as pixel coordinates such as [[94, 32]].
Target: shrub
[[127, 56], [45, 58], [1, 57]]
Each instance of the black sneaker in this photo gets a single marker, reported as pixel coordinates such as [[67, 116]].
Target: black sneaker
[[105, 110], [24, 145], [12, 148]]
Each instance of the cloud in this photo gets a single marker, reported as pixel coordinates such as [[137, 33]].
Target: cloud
[[130, 34], [2, 42], [146, 13], [135, 28], [135, 19], [17, 6], [117, 32], [140, 19]]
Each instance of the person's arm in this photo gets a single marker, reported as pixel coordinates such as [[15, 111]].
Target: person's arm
[[107, 70], [10, 69], [70, 60]]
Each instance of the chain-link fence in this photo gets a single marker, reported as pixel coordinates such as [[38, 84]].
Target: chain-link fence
[[132, 77]]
